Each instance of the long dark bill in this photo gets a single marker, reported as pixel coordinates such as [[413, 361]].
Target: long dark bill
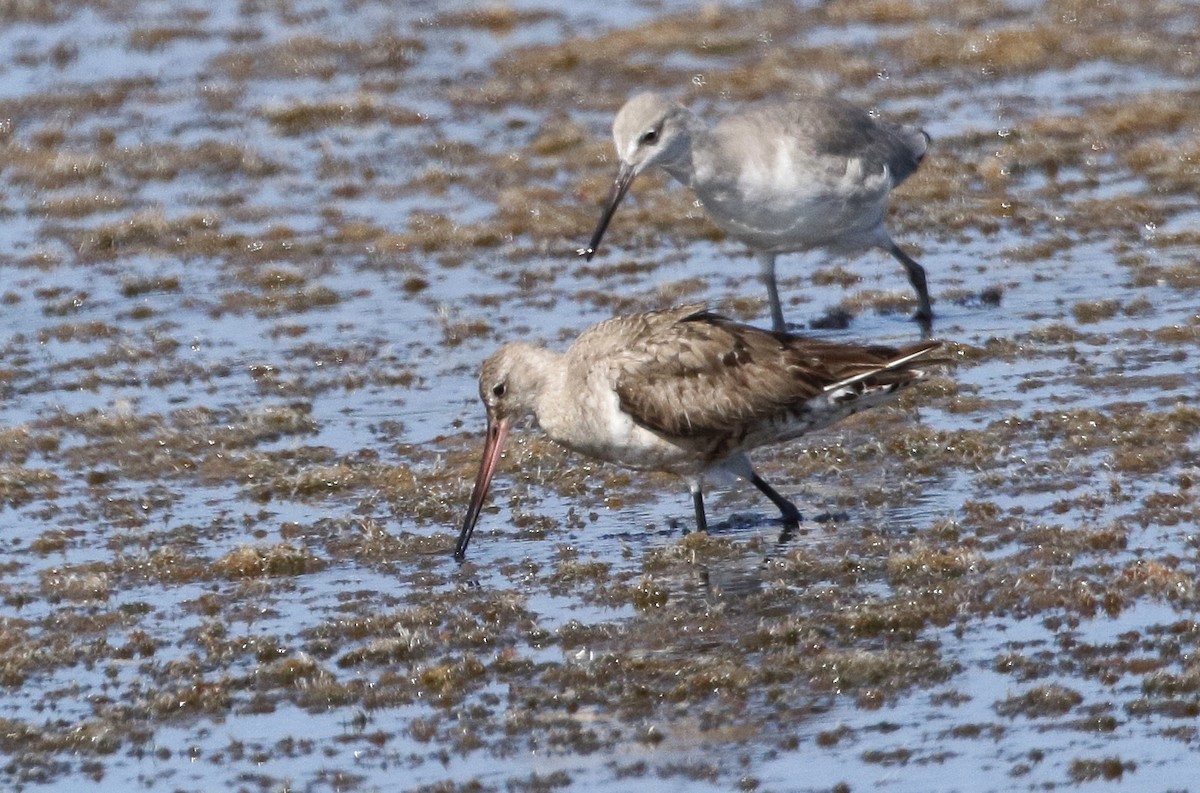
[[619, 189], [497, 429]]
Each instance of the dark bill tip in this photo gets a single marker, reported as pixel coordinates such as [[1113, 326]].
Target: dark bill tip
[[493, 443], [620, 187]]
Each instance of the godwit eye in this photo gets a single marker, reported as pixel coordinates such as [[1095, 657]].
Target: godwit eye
[[650, 136], [498, 389]]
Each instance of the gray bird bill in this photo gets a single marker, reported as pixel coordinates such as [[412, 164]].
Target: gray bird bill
[[619, 189]]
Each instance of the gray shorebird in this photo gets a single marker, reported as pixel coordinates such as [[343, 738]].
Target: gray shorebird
[[780, 177], [684, 391]]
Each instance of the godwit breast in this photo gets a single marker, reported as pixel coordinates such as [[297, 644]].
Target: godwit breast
[[684, 391], [794, 176]]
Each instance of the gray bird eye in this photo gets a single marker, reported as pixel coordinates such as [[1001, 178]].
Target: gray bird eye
[[498, 389], [650, 136]]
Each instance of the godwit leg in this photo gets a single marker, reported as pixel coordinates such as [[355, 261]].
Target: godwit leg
[[791, 515], [785, 535], [916, 277], [698, 503], [766, 263]]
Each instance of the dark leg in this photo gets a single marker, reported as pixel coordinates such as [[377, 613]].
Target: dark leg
[[791, 515], [698, 503], [766, 263], [916, 277]]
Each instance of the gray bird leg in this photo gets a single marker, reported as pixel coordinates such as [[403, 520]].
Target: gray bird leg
[[766, 263], [916, 277]]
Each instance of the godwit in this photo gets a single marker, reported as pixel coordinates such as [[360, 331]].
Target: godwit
[[684, 391], [810, 173]]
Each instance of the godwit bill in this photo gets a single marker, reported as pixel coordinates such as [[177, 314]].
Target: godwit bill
[[783, 177], [684, 391]]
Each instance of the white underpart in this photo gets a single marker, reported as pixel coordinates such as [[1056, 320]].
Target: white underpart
[[779, 181]]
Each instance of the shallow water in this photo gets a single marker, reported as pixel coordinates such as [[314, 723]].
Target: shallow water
[[252, 254]]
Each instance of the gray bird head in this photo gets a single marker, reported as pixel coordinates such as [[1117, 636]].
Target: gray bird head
[[652, 130], [649, 130]]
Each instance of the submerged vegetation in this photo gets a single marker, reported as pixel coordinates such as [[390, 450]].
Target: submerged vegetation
[[252, 256]]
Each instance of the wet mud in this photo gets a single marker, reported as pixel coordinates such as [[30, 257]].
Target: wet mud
[[251, 255]]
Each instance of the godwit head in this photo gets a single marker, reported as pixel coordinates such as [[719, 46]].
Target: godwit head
[[509, 382]]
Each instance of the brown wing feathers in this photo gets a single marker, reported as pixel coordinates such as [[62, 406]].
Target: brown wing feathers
[[702, 374]]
